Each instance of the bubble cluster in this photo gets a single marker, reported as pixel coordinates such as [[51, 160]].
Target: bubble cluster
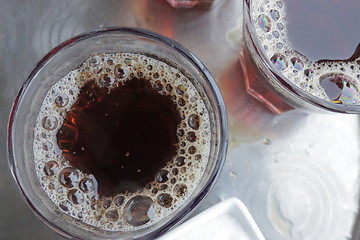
[[270, 21], [75, 192]]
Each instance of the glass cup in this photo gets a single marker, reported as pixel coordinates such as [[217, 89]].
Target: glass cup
[[267, 77], [68, 56]]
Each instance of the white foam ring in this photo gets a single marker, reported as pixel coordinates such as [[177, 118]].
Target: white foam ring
[[269, 17], [70, 86]]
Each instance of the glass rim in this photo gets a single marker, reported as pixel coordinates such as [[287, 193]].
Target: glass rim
[[284, 81], [222, 123]]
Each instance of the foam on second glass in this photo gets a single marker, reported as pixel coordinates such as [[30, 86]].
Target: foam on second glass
[[75, 192], [332, 80]]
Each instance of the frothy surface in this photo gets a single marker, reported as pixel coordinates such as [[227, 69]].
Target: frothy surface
[[75, 191], [273, 28]]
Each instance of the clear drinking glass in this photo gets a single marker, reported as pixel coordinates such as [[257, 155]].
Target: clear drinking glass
[[263, 75], [63, 59]]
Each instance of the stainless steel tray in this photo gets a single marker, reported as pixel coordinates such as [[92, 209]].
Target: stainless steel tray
[[298, 174]]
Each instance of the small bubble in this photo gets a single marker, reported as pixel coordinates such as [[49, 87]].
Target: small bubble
[[157, 85], [154, 190], [119, 201], [279, 45], [297, 63], [181, 102], [149, 67], [175, 171], [98, 70], [169, 88], [128, 61], [107, 203], [276, 34], [279, 61], [194, 121], [275, 15], [180, 132], [65, 205], [106, 80], [112, 215], [68, 177], [164, 200], [110, 62], [120, 72], [180, 161], [191, 136], [162, 176], [163, 187], [47, 146], [180, 190], [51, 168], [156, 75], [173, 180], [49, 122], [62, 100], [309, 73], [197, 157], [75, 196], [139, 210], [180, 89], [192, 149], [264, 22], [280, 26], [279, 4]]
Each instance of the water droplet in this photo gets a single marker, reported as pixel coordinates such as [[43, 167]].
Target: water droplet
[[264, 22], [106, 80], [180, 161], [164, 200], [86, 185], [139, 210], [61, 100], [75, 196], [279, 61], [191, 136], [112, 215], [297, 63], [309, 73], [120, 72], [49, 122], [275, 15], [194, 121], [162, 176], [51, 168], [180, 190], [68, 177]]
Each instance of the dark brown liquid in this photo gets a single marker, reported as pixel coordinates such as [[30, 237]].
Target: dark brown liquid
[[324, 29], [123, 137]]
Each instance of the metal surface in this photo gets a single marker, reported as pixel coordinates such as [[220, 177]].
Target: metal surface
[[297, 174]]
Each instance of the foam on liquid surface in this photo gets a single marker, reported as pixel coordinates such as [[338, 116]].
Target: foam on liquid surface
[[75, 192], [333, 80]]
